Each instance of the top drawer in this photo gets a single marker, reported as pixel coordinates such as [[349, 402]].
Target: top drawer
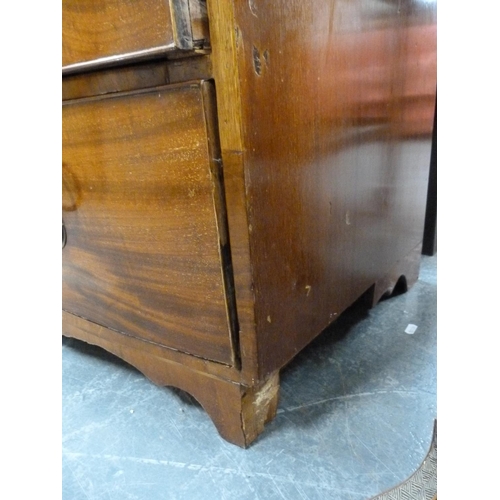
[[98, 33]]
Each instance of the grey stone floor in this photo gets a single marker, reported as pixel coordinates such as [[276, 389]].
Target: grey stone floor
[[355, 418]]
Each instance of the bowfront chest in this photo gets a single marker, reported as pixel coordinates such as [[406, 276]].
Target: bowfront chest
[[235, 175]]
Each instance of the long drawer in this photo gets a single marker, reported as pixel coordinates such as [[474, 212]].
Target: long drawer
[[104, 32], [143, 221]]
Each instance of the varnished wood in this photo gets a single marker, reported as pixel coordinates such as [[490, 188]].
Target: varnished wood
[[199, 22], [337, 104], [101, 33], [225, 41], [190, 68], [315, 139], [238, 412], [404, 271], [113, 341], [136, 76], [143, 248], [209, 106]]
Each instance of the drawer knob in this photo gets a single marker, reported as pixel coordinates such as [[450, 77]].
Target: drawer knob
[[64, 235]]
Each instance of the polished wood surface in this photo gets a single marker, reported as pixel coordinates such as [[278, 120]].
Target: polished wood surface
[[80, 328], [225, 38], [199, 22], [214, 230], [139, 197], [103, 32], [136, 76], [238, 412], [337, 105]]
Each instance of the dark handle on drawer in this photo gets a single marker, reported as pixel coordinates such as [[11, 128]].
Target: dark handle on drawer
[[64, 235]]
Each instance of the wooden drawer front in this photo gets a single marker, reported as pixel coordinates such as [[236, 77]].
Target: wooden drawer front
[[143, 249], [100, 32]]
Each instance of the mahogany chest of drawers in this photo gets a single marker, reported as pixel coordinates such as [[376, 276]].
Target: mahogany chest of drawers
[[235, 175]]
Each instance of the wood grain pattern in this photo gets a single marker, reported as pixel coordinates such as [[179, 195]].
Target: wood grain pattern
[[100, 33], [114, 342], [199, 22], [224, 40], [238, 412], [122, 79], [94, 29], [136, 76], [143, 248], [337, 102], [300, 188]]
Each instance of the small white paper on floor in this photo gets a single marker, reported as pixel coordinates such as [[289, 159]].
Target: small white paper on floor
[[411, 329]]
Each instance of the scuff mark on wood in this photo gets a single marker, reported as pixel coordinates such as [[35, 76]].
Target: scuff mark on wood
[[267, 392], [259, 406], [237, 35], [253, 8], [265, 54], [257, 64], [348, 218]]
